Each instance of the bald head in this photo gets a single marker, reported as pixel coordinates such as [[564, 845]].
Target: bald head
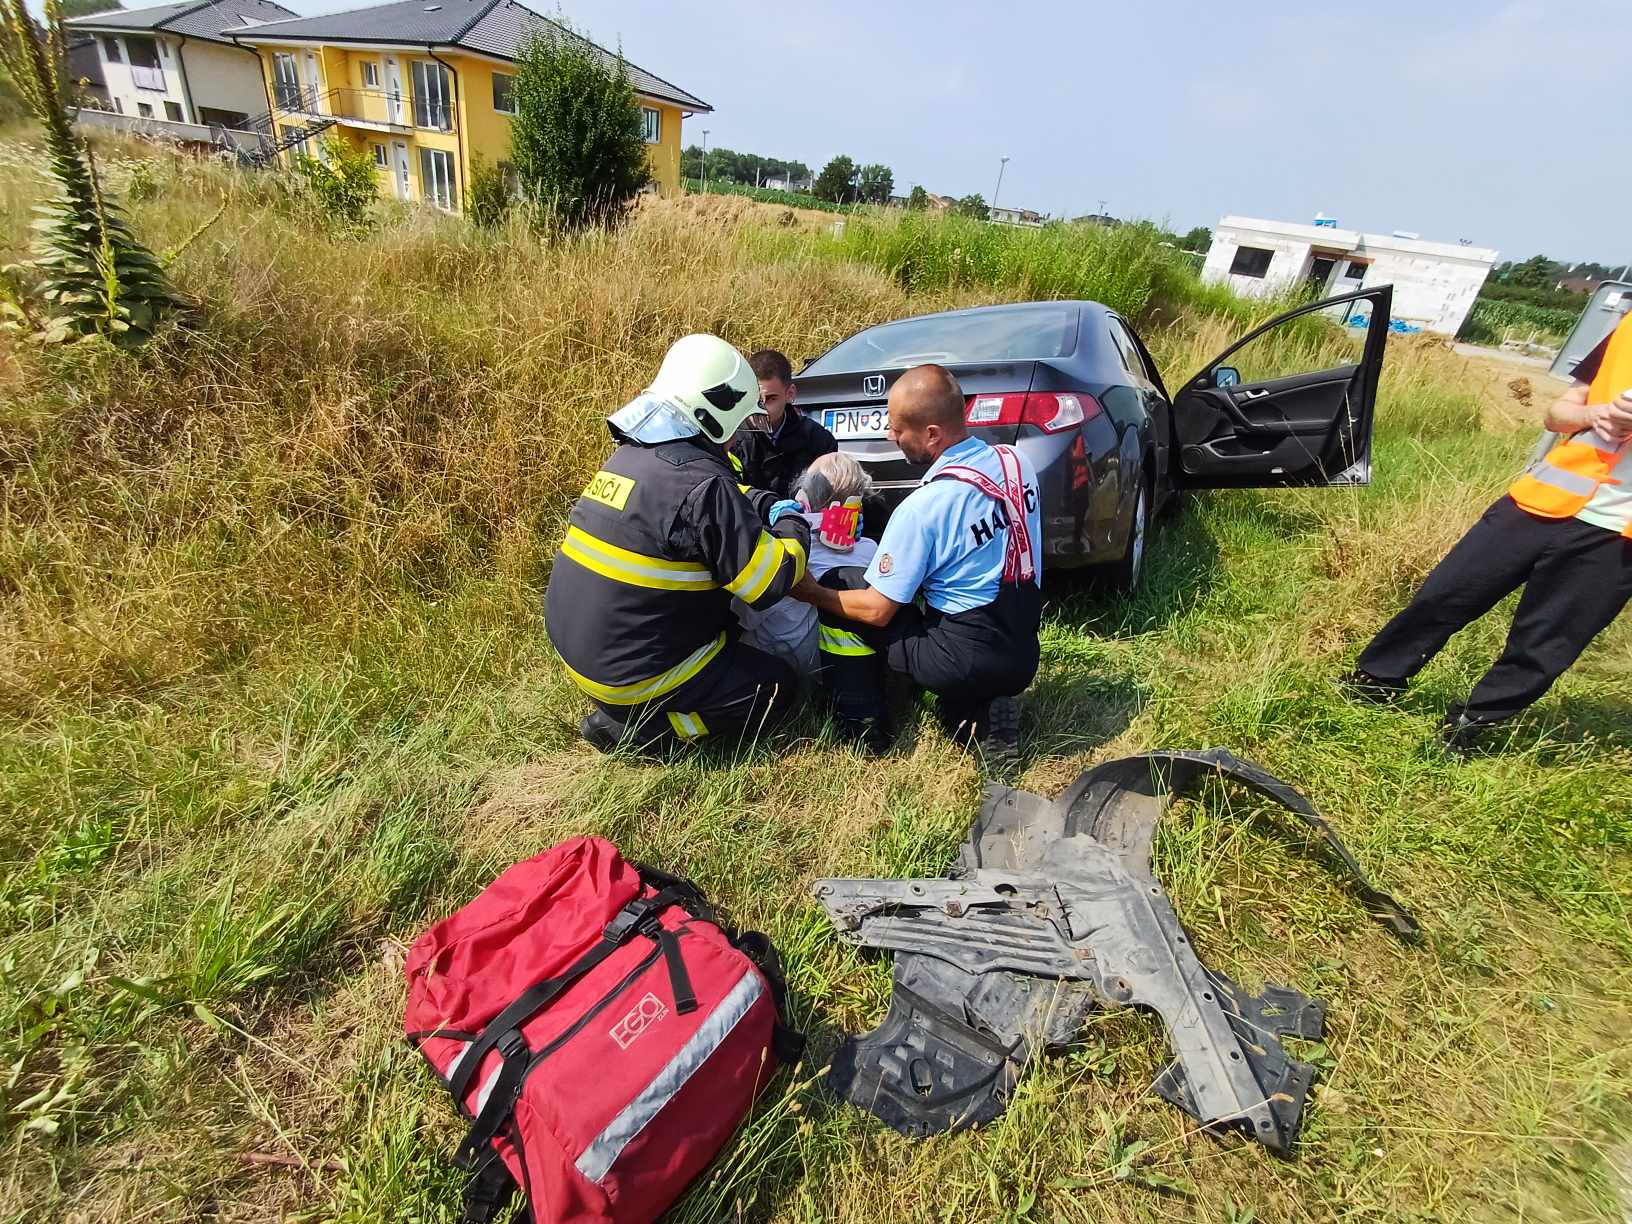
[[926, 413], [928, 395]]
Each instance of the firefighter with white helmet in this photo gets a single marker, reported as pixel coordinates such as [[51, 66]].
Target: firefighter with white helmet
[[661, 540]]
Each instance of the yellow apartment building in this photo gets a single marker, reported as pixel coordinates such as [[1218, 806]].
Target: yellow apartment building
[[425, 87]]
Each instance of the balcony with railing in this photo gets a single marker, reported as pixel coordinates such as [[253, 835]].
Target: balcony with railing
[[373, 108]]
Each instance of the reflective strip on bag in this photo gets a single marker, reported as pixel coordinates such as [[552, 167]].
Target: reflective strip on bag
[[645, 690], [632, 568], [841, 642], [603, 1151], [688, 726]]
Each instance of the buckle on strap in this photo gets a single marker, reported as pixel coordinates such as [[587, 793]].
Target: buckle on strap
[[628, 920]]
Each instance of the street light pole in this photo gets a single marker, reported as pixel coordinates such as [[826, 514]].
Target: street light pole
[[705, 161], [1001, 163]]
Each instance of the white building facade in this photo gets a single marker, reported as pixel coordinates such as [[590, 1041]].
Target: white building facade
[[177, 62], [1435, 283]]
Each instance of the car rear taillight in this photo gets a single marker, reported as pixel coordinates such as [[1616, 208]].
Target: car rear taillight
[[1050, 411]]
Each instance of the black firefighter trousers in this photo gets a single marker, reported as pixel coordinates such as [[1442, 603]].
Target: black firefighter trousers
[[741, 692], [966, 659], [1576, 577]]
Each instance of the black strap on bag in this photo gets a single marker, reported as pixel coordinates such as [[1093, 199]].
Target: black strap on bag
[[503, 1032], [488, 1191], [787, 1042]]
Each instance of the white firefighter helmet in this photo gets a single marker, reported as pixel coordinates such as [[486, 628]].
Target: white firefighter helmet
[[710, 382]]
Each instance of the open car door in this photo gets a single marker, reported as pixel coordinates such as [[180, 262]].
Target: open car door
[[1273, 428]]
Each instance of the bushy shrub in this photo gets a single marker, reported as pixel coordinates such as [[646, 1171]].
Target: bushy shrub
[[344, 184], [577, 142], [487, 201]]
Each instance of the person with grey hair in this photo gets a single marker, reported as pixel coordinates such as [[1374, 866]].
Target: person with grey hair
[[788, 628]]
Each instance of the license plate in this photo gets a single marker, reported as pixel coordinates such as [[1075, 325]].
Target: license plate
[[856, 422]]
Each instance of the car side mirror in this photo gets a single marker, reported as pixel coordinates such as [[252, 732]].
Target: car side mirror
[[1226, 376]]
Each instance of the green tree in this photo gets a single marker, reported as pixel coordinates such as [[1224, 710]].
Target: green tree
[[877, 184], [1535, 273], [1198, 239], [973, 206], [918, 199], [84, 8], [343, 183], [577, 142], [89, 271], [836, 182]]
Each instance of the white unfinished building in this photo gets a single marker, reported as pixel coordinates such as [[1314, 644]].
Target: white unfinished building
[[178, 63], [1435, 283]]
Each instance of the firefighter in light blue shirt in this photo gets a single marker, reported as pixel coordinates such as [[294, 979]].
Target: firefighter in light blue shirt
[[969, 541]]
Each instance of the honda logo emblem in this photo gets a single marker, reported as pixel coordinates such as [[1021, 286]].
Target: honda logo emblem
[[873, 384]]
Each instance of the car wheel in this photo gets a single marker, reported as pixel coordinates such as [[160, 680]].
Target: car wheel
[[1130, 571]]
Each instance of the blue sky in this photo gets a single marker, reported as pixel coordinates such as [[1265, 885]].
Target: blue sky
[[1504, 123]]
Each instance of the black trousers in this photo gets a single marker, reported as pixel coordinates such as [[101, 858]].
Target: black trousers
[[966, 659], [742, 689], [1576, 579]]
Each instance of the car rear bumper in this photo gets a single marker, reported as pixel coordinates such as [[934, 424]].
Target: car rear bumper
[[1064, 506]]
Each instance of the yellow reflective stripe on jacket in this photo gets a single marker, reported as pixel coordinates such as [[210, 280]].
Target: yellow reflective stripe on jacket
[[635, 569], [645, 690], [797, 551], [687, 726], [754, 577], [840, 642]]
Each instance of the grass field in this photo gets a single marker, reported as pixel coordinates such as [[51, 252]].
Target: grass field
[[275, 693]]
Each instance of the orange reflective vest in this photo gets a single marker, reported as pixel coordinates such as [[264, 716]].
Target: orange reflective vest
[[1581, 468]]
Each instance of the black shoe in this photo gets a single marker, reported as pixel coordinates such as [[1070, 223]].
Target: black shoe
[[999, 740], [873, 733], [1462, 736], [1363, 686], [604, 733]]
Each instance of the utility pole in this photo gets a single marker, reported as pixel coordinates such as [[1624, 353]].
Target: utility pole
[[1002, 162], [705, 161]]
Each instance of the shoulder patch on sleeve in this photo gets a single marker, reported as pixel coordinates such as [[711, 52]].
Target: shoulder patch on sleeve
[[609, 489], [886, 563]]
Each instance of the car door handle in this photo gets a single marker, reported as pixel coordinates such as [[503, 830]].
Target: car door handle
[[1253, 395]]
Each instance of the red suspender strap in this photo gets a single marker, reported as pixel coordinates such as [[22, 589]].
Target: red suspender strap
[[1017, 563]]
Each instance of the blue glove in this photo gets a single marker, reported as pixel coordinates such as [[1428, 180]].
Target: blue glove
[[778, 509]]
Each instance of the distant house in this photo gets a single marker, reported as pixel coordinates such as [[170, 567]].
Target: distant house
[[787, 184], [1015, 216], [178, 62], [427, 89], [1435, 283], [1103, 220]]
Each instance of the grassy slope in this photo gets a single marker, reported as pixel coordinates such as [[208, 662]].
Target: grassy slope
[[276, 694]]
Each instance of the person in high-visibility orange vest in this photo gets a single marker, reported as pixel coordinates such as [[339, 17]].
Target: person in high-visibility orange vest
[[1563, 532]]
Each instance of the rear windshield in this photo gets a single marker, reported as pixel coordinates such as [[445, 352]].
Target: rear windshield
[[1021, 333]]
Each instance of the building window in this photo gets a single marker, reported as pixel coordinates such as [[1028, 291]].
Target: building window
[[504, 93], [172, 112], [1251, 261], [433, 96], [164, 49], [118, 106], [379, 156], [1355, 271], [110, 48], [653, 121], [371, 75], [436, 178], [286, 81], [144, 110]]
